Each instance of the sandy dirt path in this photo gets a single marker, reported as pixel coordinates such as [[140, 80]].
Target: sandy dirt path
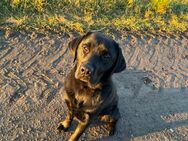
[[153, 91]]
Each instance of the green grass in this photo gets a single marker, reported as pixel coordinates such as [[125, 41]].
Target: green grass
[[85, 15]]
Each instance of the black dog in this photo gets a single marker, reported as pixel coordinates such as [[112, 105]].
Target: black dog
[[88, 90]]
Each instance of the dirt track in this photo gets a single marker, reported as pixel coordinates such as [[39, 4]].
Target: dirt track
[[153, 91]]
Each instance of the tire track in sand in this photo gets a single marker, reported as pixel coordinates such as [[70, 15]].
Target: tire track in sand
[[33, 66]]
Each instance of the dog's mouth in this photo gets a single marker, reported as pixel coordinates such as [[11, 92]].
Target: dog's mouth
[[89, 81], [93, 85]]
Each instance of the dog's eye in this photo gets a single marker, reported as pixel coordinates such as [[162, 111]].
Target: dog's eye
[[85, 49]]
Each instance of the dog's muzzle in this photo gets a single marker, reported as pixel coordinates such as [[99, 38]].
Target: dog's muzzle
[[86, 70]]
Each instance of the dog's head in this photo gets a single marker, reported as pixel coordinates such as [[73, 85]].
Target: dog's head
[[97, 57]]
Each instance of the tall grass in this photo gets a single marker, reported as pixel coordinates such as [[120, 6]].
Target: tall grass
[[84, 15]]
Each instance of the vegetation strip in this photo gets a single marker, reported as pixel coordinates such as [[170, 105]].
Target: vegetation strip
[[84, 15]]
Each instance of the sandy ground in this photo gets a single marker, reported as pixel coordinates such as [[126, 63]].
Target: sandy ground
[[153, 91]]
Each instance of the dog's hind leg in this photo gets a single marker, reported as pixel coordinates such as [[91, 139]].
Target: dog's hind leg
[[111, 118]]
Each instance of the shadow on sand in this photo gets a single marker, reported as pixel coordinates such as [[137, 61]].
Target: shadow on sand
[[146, 110]]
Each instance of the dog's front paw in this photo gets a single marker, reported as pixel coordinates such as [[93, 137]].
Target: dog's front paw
[[61, 127]]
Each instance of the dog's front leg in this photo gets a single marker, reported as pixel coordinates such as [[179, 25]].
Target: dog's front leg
[[82, 125], [64, 125]]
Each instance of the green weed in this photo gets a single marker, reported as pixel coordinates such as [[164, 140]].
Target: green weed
[[84, 15]]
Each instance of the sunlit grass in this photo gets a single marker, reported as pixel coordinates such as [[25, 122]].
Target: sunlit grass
[[84, 15]]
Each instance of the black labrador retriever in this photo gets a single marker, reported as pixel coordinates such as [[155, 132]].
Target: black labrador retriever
[[88, 90]]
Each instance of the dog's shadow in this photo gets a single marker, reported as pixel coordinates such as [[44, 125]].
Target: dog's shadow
[[144, 109]]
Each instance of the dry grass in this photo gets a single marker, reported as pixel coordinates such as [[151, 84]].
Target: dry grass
[[84, 15]]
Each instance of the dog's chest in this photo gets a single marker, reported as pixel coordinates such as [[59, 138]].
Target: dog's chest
[[87, 99]]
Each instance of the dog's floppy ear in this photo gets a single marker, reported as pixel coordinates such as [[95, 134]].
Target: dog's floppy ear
[[120, 63], [73, 45]]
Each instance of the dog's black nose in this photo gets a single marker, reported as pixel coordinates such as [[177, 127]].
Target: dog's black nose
[[86, 70]]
